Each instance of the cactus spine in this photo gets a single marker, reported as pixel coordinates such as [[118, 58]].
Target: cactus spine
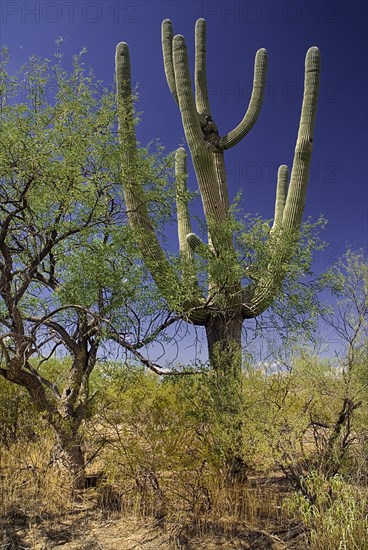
[[223, 307]]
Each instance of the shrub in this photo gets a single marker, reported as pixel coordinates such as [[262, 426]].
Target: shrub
[[334, 512]]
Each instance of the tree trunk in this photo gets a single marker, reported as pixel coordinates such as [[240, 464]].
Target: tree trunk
[[72, 456], [224, 343], [225, 355]]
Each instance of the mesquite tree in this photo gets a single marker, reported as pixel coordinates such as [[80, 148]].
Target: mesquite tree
[[55, 195], [224, 302], [68, 282]]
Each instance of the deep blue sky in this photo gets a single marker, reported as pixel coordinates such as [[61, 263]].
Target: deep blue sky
[[235, 30]]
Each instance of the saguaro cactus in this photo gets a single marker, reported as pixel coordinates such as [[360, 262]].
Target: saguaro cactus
[[226, 303]]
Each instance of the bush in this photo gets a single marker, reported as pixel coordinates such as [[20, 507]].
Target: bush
[[19, 419], [334, 512]]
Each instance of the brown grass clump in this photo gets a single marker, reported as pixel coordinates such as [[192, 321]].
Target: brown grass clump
[[32, 483], [177, 509]]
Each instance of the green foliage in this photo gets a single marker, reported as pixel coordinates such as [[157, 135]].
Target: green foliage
[[19, 420], [68, 279], [335, 513], [169, 440], [19, 417], [170, 425], [61, 199], [58, 166]]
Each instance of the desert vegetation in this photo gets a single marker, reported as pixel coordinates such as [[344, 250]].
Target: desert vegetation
[[260, 441], [155, 452]]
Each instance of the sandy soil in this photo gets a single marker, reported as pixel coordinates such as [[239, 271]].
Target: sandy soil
[[84, 532]]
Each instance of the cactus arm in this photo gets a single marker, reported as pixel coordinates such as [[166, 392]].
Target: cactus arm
[[135, 200], [191, 124], [303, 150], [281, 193], [124, 99], [201, 90], [189, 275], [201, 153], [255, 104], [166, 40], [203, 106], [259, 295], [184, 224]]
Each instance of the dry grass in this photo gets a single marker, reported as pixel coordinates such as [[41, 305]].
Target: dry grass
[[32, 484], [79, 532], [39, 511], [191, 506]]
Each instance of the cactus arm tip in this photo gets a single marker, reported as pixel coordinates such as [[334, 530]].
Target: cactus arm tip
[[314, 51], [121, 46], [194, 242], [167, 53], [180, 153], [122, 58], [179, 38], [281, 193], [200, 70]]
